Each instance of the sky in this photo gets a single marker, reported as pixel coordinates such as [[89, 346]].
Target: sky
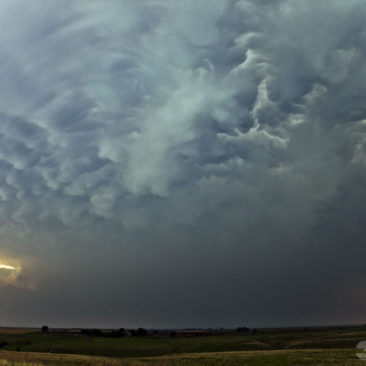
[[182, 163]]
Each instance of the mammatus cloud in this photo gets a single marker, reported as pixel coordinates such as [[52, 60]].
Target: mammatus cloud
[[230, 132]]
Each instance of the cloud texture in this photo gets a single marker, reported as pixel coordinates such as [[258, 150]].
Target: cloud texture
[[167, 160]]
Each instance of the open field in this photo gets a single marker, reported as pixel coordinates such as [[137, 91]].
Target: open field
[[334, 346], [8, 330], [344, 357], [159, 346]]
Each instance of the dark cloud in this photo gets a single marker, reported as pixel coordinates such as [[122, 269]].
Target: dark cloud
[[183, 164]]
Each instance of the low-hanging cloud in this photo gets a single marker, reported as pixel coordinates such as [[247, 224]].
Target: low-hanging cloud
[[230, 132]]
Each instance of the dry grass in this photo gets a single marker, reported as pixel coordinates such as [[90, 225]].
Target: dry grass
[[20, 363], [345, 357], [6, 330]]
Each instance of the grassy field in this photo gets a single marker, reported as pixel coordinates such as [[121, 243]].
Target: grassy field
[[7, 330], [283, 347], [155, 346], [344, 357]]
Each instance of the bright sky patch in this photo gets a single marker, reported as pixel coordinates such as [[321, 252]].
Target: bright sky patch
[[4, 266]]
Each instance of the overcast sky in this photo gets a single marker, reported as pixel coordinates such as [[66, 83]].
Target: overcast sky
[[182, 163]]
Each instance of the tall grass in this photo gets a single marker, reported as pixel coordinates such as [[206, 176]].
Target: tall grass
[[344, 357], [19, 363]]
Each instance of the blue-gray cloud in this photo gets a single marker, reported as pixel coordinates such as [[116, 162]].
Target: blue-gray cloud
[[213, 129]]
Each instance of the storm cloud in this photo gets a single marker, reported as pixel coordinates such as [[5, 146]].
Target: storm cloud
[[194, 163]]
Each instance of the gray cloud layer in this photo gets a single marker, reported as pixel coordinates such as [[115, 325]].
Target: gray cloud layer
[[183, 163]]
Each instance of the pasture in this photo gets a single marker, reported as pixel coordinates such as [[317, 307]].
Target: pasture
[[266, 347], [344, 357]]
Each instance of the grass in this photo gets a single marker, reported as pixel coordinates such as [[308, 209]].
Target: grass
[[8, 330], [266, 347], [150, 346], [320, 357]]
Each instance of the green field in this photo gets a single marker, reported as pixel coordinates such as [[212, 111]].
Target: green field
[[311, 347], [344, 357]]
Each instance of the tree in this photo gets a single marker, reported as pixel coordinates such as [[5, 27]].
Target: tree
[[44, 329], [92, 332], [141, 332], [117, 333], [242, 330]]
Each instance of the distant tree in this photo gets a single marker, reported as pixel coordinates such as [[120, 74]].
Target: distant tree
[[44, 329], [242, 330], [141, 332], [113, 334], [117, 333], [173, 333], [121, 332], [92, 332]]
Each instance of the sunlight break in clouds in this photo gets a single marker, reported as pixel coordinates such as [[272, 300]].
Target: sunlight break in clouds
[[9, 274], [4, 266]]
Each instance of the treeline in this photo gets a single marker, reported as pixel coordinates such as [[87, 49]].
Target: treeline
[[122, 332], [141, 332]]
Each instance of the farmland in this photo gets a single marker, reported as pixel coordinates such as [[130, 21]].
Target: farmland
[[344, 357], [265, 347]]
